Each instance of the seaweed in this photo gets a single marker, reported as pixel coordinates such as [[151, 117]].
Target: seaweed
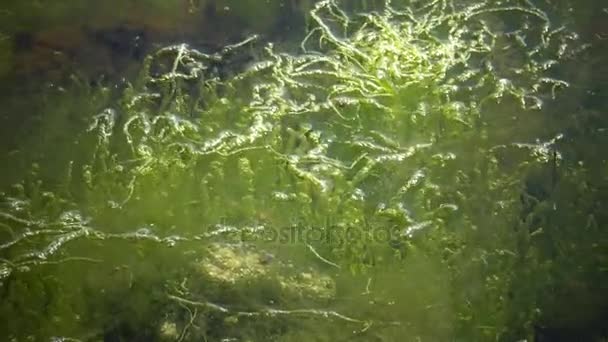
[[366, 187]]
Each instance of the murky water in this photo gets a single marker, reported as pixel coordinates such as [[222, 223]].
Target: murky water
[[303, 171]]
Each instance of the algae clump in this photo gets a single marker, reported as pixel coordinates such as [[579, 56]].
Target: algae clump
[[378, 154]]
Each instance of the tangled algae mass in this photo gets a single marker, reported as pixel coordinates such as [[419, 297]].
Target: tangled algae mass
[[174, 215]]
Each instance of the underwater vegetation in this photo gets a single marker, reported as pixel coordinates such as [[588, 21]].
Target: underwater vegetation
[[395, 180]]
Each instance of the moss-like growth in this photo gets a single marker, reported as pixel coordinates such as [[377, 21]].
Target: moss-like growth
[[382, 148]]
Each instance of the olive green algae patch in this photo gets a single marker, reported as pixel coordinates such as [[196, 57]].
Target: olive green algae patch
[[234, 265], [6, 55], [231, 265], [309, 284], [363, 189]]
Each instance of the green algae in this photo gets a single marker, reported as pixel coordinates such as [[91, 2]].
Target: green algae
[[367, 185]]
